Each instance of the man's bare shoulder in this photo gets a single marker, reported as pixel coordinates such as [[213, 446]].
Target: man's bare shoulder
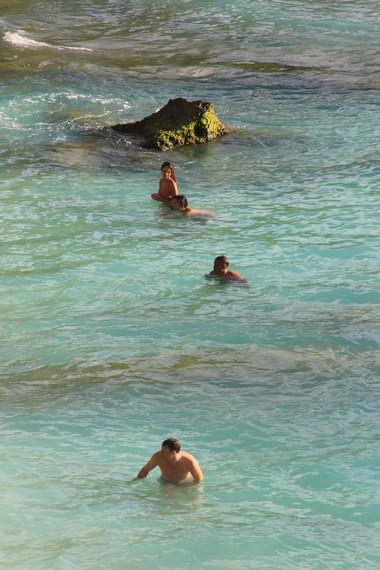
[[157, 457], [233, 276], [188, 456]]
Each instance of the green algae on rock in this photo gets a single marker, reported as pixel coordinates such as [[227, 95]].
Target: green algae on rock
[[179, 122]]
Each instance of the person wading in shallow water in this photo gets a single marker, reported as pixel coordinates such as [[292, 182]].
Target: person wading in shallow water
[[175, 465]]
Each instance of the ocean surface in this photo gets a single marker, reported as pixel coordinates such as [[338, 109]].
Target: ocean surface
[[111, 338]]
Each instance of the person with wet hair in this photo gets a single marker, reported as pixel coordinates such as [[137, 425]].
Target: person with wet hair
[[175, 465], [180, 204], [167, 187], [222, 272]]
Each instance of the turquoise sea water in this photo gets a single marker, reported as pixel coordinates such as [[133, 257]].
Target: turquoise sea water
[[111, 339]]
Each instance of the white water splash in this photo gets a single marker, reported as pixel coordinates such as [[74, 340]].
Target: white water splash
[[21, 40]]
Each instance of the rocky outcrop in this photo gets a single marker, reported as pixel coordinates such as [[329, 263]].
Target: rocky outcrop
[[179, 122]]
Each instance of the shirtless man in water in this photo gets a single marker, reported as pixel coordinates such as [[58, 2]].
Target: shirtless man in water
[[175, 465], [179, 204], [222, 272]]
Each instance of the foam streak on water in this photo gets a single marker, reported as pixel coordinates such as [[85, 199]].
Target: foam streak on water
[[111, 339], [21, 40]]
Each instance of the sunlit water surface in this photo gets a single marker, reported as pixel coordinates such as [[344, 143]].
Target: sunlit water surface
[[111, 338]]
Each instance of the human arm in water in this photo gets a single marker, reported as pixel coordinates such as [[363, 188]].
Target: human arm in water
[[229, 276], [157, 197], [148, 467], [196, 471]]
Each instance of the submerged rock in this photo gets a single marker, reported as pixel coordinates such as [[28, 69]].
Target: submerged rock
[[179, 122]]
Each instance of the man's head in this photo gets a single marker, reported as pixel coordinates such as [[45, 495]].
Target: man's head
[[172, 444], [221, 264], [179, 202]]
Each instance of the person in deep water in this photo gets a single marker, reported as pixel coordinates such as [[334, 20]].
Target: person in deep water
[[167, 187], [222, 272], [179, 204], [175, 465]]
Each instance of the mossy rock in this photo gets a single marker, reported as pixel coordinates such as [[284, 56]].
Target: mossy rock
[[179, 122]]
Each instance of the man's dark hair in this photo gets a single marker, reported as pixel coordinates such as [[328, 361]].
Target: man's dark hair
[[222, 259], [173, 444], [181, 200]]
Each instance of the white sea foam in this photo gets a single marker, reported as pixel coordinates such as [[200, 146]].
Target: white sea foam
[[22, 40]]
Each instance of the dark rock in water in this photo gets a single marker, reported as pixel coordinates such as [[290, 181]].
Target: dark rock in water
[[179, 122]]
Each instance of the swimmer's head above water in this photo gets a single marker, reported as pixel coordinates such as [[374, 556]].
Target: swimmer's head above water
[[221, 271]]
